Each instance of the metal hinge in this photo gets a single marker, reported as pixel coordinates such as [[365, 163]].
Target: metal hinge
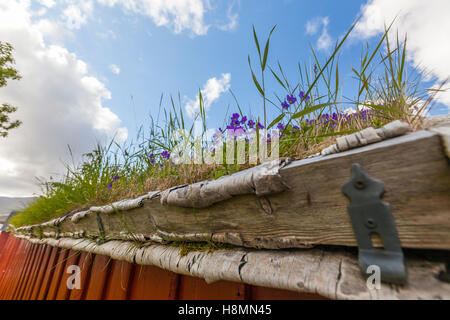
[[371, 216]]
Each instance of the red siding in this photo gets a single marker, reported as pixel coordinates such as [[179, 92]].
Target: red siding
[[30, 271]]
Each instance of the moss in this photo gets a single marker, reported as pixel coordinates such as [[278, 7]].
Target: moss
[[187, 247]]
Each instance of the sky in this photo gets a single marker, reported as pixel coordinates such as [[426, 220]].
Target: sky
[[96, 69]]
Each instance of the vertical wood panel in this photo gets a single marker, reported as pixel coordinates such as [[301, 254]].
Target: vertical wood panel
[[3, 238], [150, 283], [13, 270], [119, 280], [101, 268], [57, 274], [9, 250], [33, 273], [85, 264], [63, 290], [174, 290], [10, 267], [41, 272], [19, 264], [27, 271], [49, 271]]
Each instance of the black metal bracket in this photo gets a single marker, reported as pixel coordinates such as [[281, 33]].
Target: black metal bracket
[[371, 216]]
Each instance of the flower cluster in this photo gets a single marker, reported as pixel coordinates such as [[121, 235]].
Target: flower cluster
[[165, 155], [152, 158], [236, 127], [291, 99], [114, 179], [332, 119]]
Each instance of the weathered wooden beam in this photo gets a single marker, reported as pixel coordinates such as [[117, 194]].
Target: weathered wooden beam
[[309, 209], [331, 273]]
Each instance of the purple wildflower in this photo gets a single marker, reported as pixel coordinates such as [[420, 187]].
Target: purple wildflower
[[296, 127], [110, 186], [303, 97], [260, 126], [235, 132], [152, 158], [280, 126], [285, 105], [235, 116], [251, 124], [165, 154], [244, 119], [115, 178], [291, 99], [217, 135]]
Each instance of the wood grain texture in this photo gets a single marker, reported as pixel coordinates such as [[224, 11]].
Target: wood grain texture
[[48, 273], [119, 281], [332, 272], [98, 277], [413, 168]]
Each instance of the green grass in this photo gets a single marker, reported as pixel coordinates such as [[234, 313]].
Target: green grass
[[383, 87]]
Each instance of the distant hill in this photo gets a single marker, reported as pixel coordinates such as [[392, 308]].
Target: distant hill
[[8, 204]]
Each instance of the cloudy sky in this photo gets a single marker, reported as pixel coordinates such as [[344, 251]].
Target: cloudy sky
[[96, 69]]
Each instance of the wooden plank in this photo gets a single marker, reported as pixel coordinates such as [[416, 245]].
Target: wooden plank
[[55, 280], [16, 265], [3, 239], [6, 254], [313, 211], [9, 264], [174, 289], [63, 292], [85, 264], [33, 255], [41, 272], [101, 267], [33, 273], [48, 275], [118, 284], [330, 272], [25, 261], [150, 283]]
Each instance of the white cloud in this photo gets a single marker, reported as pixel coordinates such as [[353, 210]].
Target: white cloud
[[76, 14], [114, 69], [427, 26], [59, 103], [47, 3], [176, 15], [233, 19], [211, 91], [312, 27]]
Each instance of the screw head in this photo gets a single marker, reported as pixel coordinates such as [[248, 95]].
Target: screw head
[[359, 184], [370, 223]]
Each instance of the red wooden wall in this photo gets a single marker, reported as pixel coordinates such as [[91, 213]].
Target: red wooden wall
[[39, 272]]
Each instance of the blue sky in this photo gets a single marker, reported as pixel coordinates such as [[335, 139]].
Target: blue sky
[[155, 60], [82, 61]]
